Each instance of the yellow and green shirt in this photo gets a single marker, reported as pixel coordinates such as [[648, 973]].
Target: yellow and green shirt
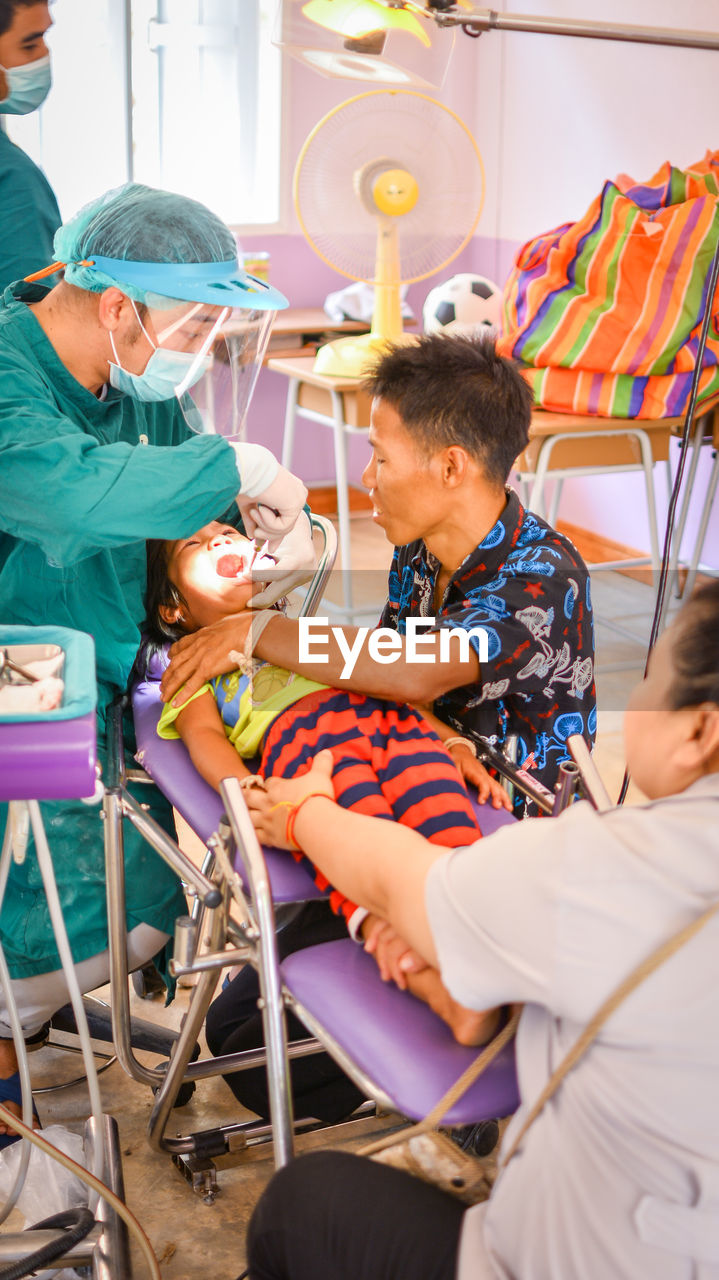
[[246, 717]]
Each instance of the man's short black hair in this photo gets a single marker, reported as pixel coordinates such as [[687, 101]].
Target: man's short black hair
[[7, 12], [456, 390]]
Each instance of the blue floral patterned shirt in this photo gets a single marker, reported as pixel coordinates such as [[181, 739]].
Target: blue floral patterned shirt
[[529, 589]]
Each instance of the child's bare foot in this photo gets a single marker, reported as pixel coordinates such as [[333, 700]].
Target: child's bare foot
[[468, 1026], [398, 963]]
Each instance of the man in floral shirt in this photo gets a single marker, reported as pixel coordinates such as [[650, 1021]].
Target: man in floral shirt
[[449, 419], [527, 587]]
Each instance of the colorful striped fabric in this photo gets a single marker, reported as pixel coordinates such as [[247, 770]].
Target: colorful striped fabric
[[388, 763], [605, 313]]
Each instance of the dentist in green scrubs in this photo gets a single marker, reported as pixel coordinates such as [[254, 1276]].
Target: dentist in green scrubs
[[101, 447], [29, 216]]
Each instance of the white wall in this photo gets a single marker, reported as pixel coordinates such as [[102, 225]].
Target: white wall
[[570, 113], [573, 112]]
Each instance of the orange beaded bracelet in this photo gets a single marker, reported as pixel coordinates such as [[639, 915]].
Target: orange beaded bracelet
[[293, 810]]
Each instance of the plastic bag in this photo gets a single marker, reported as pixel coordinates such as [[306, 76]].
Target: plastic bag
[[49, 1187], [356, 302]]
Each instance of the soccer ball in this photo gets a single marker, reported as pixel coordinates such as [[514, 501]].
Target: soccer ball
[[463, 304]]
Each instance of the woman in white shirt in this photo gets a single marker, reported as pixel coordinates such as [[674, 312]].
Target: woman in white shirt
[[618, 1178]]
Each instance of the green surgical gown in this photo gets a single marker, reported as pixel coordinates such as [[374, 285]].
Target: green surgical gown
[[83, 483], [29, 216]]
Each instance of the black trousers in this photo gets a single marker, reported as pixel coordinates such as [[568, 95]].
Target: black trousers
[[329, 1215], [319, 1087]]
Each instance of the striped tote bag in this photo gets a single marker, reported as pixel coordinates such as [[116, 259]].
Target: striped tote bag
[[604, 313]]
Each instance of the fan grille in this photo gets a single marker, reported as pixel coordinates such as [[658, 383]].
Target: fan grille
[[411, 131]]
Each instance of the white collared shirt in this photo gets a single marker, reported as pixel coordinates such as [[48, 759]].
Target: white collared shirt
[[618, 1179]]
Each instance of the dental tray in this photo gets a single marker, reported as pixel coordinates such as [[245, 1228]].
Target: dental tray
[[49, 754]]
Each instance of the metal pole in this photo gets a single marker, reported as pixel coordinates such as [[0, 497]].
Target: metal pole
[[594, 788], [157, 837], [111, 1257], [477, 21], [15, 1246], [271, 1000], [566, 787], [520, 779], [192, 1023], [117, 940]]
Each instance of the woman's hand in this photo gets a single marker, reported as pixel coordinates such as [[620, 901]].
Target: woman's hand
[[271, 806], [489, 789], [395, 958], [198, 658]]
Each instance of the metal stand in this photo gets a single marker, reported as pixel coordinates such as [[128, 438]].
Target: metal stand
[[106, 1249], [577, 779]]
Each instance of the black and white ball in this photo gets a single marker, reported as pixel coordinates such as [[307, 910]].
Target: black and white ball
[[463, 304]]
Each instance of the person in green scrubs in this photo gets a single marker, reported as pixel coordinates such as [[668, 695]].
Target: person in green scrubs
[[29, 216], [101, 449]]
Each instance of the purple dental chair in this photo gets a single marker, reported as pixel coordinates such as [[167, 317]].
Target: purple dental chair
[[392, 1046]]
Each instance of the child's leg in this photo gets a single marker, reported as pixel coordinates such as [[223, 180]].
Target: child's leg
[[416, 775], [345, 724], [421, 782], [468, 1026]]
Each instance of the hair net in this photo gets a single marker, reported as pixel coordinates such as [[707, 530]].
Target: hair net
[[140, 224]]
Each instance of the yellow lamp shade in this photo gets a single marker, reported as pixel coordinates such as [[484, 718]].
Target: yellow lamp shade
[[356, 19]]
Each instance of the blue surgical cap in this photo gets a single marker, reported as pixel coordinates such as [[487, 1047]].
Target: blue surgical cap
[[135, 223]]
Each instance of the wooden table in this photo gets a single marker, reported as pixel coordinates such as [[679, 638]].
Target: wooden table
[[564, 445], [297, 331], [340, 405]]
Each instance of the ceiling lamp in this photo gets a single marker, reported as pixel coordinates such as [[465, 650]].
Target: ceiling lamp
[[363, 22], [365, 40]]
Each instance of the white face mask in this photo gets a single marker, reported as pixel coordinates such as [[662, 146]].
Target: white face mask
[[166, 374], [28, 87]]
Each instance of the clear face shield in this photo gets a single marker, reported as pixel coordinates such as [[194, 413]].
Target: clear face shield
[[210, 358], [217, 402]]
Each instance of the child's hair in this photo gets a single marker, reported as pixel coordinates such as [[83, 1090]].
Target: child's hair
[[696, 650], [156, 633], [160, 591], [456, 390]]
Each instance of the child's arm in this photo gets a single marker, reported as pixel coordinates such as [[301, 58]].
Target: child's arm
[[199, 724], [470, 768]]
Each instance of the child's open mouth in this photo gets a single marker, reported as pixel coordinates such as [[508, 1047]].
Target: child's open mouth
[[231, 566], [253, 562]]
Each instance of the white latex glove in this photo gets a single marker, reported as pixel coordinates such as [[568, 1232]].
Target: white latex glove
[[272, 513], [296, 562]]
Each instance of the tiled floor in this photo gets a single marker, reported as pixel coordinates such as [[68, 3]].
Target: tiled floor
[[194, 1240]]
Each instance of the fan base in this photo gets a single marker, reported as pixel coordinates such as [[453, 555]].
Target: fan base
[[353, 357]]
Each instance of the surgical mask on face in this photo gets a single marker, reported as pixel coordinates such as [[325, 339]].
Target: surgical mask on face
[[165, 372], [28, 87]]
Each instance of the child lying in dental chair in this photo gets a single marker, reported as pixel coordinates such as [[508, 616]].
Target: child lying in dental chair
[[388, 761]]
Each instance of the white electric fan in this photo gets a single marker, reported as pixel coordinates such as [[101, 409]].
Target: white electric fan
[[388, 189]]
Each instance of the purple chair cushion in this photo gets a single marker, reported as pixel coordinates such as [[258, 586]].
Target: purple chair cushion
[[168, 764], [339, 984], [50, 755], [52, 760]]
